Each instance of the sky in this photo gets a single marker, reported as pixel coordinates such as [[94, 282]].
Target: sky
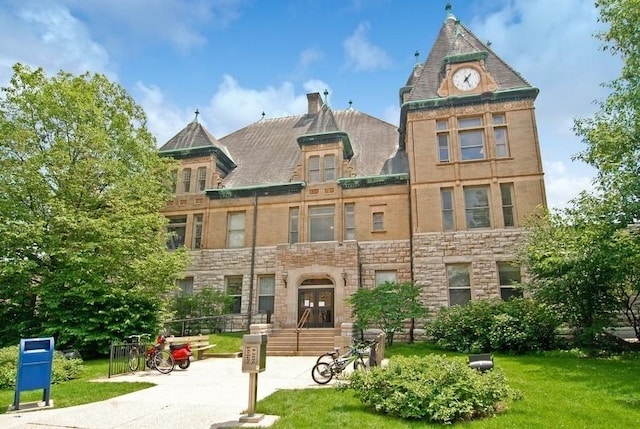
[[232, 60]]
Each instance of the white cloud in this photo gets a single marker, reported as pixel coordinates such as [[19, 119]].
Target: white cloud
[[563, 184], [48, 36], [362, 55]]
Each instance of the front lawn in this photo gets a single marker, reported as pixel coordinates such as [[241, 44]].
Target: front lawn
[[560, 390]]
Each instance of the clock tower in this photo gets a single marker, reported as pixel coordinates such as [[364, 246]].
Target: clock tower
[[469, 131]]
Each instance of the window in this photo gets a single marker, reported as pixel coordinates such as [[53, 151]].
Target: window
[[459, 284], [500, 136], [186, 180], [509, 277], [266, 294], [174, 181], [235, 232], [322, 169], [329, 168], [448, 219], [294, 215], [202, 178], [378, 221], [476, 200], [314, 169], [471, 137], [185, 285], [176, 229], [349, 221], [321, 223], [234, 290], [383, 276], [443, 141], [507, 204], [197, 231]]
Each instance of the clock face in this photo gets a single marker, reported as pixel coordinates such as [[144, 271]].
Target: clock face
[[466, 78]]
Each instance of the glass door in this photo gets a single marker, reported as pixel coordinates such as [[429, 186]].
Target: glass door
[[320, 304]]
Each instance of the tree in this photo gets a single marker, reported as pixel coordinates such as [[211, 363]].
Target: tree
[[198, 310], [387, 306], [83, 246]]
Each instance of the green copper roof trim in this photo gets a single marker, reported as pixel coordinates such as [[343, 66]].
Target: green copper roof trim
[[193, 152], [528, 93], [371, 181], [320, 138], [260, 190], [463, 58]]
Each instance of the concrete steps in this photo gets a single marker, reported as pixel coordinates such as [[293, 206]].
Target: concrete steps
[[310, 342]]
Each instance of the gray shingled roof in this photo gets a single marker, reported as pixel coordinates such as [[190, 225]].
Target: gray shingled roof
[[456, 39], [194, 135], [267, 152]]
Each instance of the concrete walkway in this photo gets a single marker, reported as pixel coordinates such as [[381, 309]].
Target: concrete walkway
[[212, 393]]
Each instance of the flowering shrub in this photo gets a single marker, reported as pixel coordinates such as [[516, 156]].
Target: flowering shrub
[[63, 369]]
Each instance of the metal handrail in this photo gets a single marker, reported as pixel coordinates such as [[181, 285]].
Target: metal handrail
[[303, 321]]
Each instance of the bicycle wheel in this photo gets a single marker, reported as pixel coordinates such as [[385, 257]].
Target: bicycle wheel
[[134, 359], [163, 361], [327, 357], [359, 365], [321, 373]]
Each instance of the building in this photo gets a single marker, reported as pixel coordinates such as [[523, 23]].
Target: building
[[298, 212]]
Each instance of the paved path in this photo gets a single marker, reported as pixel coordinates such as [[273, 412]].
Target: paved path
[[212, 393]]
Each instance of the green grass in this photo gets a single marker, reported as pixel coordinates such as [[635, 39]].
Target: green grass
[[559, 390], [228, 342], [79, 391]]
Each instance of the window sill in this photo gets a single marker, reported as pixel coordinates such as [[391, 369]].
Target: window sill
[[378, 231]]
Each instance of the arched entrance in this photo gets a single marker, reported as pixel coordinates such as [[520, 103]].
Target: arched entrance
[[317, 296]]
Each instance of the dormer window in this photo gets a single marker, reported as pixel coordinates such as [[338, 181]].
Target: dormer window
[[322, 168], [202, 178]]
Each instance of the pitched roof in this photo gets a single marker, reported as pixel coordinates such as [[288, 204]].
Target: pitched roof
[[193, 136], [456, 40], [267, 152]]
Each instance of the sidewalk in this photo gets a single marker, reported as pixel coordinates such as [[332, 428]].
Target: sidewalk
[[212, 393]]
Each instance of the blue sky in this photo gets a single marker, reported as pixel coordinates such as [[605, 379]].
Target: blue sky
[[234, 59]]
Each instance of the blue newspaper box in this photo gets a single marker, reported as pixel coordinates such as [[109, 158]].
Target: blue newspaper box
[[35, 364]]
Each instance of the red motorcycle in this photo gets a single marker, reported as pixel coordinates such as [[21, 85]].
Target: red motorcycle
[[181, 353]]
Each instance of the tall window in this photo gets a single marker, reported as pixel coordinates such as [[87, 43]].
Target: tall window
[[177, 228], [235, 231], [509, 277], [186, 180], [448, 219], [350, 221], [500, 135], [476, 200], [174, 181], [185, 285], [471, 138], [234, 290], [294, 217], [266, 294], [507, 203], [459, 279], [321, 220], [202, 178], [383, 276], [197, 231], [378, 221], [322, 169], [442, 128], [329, 167]]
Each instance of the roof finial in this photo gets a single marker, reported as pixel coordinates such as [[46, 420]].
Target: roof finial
[[350, 103], [326, 95], [197, 112], [263, 114], [417, 55], [448, 8]]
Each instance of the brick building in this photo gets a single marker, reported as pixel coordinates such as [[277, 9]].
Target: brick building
[[298, 212]]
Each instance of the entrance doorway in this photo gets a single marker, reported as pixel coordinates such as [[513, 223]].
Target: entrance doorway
[[320, 302]]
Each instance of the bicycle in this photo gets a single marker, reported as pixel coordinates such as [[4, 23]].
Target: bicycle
[[155, 357], [332, 364]]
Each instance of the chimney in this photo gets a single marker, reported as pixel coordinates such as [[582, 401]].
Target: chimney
[[315, 103]]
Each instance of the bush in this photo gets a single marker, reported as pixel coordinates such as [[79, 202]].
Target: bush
[[432, 387], [63, 369], [518, 325]]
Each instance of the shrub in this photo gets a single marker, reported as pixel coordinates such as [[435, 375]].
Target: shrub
[[518, 325], [63, 369], [432, 388]]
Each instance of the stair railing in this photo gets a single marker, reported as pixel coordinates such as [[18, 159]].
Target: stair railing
[[303, 321]]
